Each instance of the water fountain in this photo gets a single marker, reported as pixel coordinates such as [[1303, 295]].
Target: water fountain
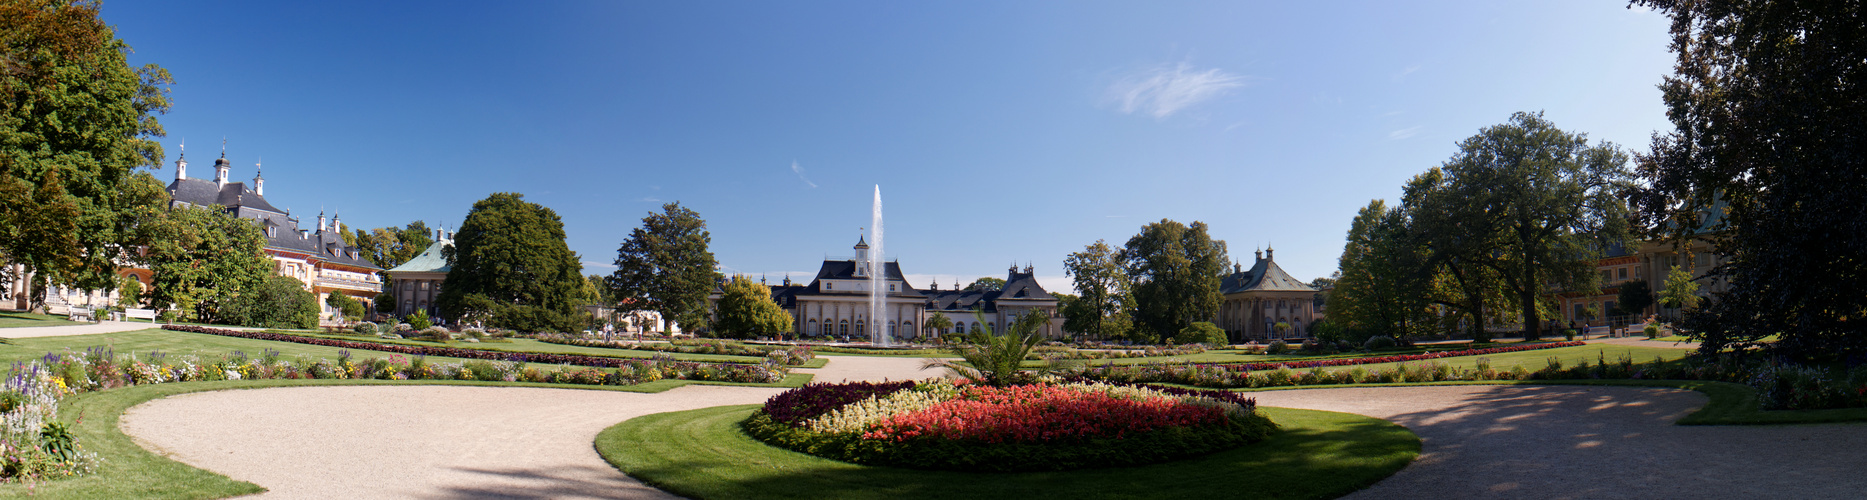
[[878, 276]]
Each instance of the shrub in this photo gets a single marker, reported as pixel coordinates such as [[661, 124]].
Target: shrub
[[1652, 330], [1568, 334], [1202, 332], [419, 321], [1311, 346], [1277, 347], [365, 328], [1378, 342], [1345, 346]]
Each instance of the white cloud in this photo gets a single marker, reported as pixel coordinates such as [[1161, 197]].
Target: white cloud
[[589, 264], [799, 170], [651, 199], [1404, 133], [1164, 90], [1402, 75]]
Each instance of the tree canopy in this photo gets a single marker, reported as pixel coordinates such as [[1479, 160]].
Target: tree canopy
[[388, 247], [1102, 309], [75, 121], [1175, 270], [279, 302], [1380, 290], [203, 258], [745, 310], [665, 267], [512, 269], [1765, 160], [986, 284]]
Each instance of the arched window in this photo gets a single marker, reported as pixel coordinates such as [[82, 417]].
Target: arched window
[[844, 328], [813, 327], [860, 331], [976, 328], [959, 327], [891, 328], [907, 326]]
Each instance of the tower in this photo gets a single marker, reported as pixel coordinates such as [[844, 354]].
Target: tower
[[221, 167], [259, 181], [321, 221], [181, 163], [862, 256]]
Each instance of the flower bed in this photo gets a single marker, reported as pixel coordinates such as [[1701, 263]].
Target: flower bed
[[790, 356], [1323, 363], [940, 424], [775, 369]]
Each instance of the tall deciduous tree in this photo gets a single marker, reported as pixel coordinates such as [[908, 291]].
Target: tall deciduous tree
[[75, 121], [1681, 290], [512, 269], [1634, 297], [746, 310], [388, 247], [203, 259], [1102, 308], [1175, 270], [1380, 290], [665, 267], [279, 302], [1767, 100], [1545, 203]]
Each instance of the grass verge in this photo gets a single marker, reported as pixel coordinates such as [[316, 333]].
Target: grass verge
[[25, 319], [704, 454], [129, 471], [1730, 404]]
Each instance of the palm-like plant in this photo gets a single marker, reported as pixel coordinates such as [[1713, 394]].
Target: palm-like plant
[[997, 359]]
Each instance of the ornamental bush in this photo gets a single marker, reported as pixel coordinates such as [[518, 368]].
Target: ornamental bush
[[1047, 426], [365, 328], [1378, 342]]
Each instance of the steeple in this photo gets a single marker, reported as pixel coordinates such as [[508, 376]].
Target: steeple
[[321, 221], [862, 256], [1259, 254], [181, 163], [787, 279], [221, 166], [1267, 252], [259, 181], [336, 224]]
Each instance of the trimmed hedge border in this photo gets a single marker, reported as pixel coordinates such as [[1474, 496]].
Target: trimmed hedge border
[[1326, 363], [455, 352]]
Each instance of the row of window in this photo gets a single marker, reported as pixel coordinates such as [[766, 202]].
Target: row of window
[[842, 328]]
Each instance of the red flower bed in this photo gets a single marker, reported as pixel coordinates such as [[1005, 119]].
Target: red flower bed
[[1396, 359], [1040, 413], [455, 352]]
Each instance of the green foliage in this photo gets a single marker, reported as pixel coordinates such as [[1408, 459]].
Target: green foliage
[[1103, 309], [1652, 330], [746, 310], [938, 324], [665, 266], [75, 122], [204, 258], [278, 302], [1201, 332], [1681, 291], [1765, 161], [388, 247], [129, 292], [385, 303], [1634, 297], [1277, 347], [997, 359], [1175, 270], [346, 306], [1379, 289], [419, 321], [986, 284], [512, 269], [1379, 342]]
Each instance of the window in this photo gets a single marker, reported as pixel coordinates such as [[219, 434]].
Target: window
[[959, 327], [813, 327], [844, 327], [891, 287], [829, 286], [859, 328], [1636, 272], [1607, 276], [1704, 260], [1623, 273]]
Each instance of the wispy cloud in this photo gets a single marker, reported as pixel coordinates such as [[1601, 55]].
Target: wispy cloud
[[1404, 133], [651, 199], [1402, 75], [799, 170], [1115, 216], [1164, 90]]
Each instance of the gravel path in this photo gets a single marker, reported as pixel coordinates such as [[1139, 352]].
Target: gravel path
[[1592, 442], [487, 442], [60, 331]]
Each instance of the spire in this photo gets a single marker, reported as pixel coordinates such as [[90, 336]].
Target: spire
[[1268, 252], [320, 221], [181, 162], [259, 179], [1259, 254], [787, 279], [862, 241], [221, 166]]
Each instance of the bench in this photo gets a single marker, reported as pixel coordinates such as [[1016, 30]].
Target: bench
[[75, 312], [148, 314]]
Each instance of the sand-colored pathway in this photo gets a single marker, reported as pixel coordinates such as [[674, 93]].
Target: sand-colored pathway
[[84, 329], [486, 442]]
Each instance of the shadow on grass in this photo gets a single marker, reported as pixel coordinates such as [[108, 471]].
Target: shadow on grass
[[541, 484], [703, 454]]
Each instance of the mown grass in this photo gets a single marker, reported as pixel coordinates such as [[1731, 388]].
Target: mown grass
[[520, 344], [205, 345], [25, 319], [1728, 403], [704, 454], [129, 471]]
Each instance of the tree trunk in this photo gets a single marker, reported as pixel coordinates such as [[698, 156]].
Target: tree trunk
[[1532, 329]]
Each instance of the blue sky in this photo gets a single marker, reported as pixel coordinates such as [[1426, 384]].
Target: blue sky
[[998, 131]]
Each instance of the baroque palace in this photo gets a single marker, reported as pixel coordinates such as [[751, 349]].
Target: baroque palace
[[320, 259], [836, 302]]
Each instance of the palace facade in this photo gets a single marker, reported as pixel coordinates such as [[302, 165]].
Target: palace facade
[[1260, 299], [836, 302]]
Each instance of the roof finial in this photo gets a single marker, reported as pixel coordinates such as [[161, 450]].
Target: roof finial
[[223, 146], [258, 168], [184, 149]]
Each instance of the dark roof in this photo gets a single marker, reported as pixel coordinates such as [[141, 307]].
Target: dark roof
[[281, 229], [203, 192], [846, 270], [1023, 286], [1264, 275]]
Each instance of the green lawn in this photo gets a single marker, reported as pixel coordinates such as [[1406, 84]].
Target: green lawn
[[532, 345], [129, 471], [1538, 358], [201, 344], [20, 319], [704, 454]]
